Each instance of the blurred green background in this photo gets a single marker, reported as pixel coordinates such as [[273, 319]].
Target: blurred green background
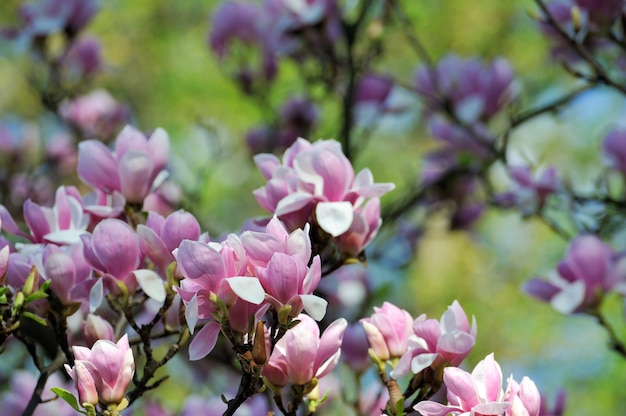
[[157, 61]]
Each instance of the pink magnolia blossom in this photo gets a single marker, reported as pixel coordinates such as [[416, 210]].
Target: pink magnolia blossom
[[388, 331], [316, 183], [161, 236], [96, 328], [480, 393], [113, 250], [103, 373], [67, 270], [135, 168], [436, 344], [281, 263], [589, 270], [63, 223], [96, 114], [302, 355], [216, 271]]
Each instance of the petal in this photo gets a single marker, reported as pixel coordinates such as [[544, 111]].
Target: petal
[[198, 260], [569, 298], [428, 408], [38, 219], [540, 289], [314, 306], [151, 246], [96, 294], [334, 217], [488, 378], [460, 385], [135, 171], [204, 341], [115, 245], [179, 226], [247, 288], [422, 361], [129, 138], [293, 202], [329, 348], [97, 167], [159, 149], [9, 225], [266, 163], [192, 313], [151, 283]]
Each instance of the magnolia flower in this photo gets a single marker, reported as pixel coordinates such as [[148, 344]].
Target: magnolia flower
[[589, 270], [96, 328], [316, 183], [135, 168], [281, 263], [97, 114], [302, 355], [161, 236], [102, 374], [215, 272], [388, 331], [480, 393], [63, 223], [436, 344]]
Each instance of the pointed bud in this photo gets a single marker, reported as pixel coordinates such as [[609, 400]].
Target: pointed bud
[[259, 353], [576, 18], [32, 282], [95, 328]]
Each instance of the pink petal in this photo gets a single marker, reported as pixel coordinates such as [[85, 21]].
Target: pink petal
[[37, 219], [151, 246], [97, 167], [461, 389], [198, 260], [204, 341], [135, 171], [179, 226], [266, 163], [115, 245], [428, 408], [129, 139], [159, 149], [330, 347]]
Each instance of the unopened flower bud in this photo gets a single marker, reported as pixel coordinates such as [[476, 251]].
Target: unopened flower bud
[[32, 282], [95, 328], [259, 353], [576, 18]]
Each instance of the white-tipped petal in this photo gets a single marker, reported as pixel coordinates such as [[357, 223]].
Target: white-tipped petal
[[151, 283], [334, 217]]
